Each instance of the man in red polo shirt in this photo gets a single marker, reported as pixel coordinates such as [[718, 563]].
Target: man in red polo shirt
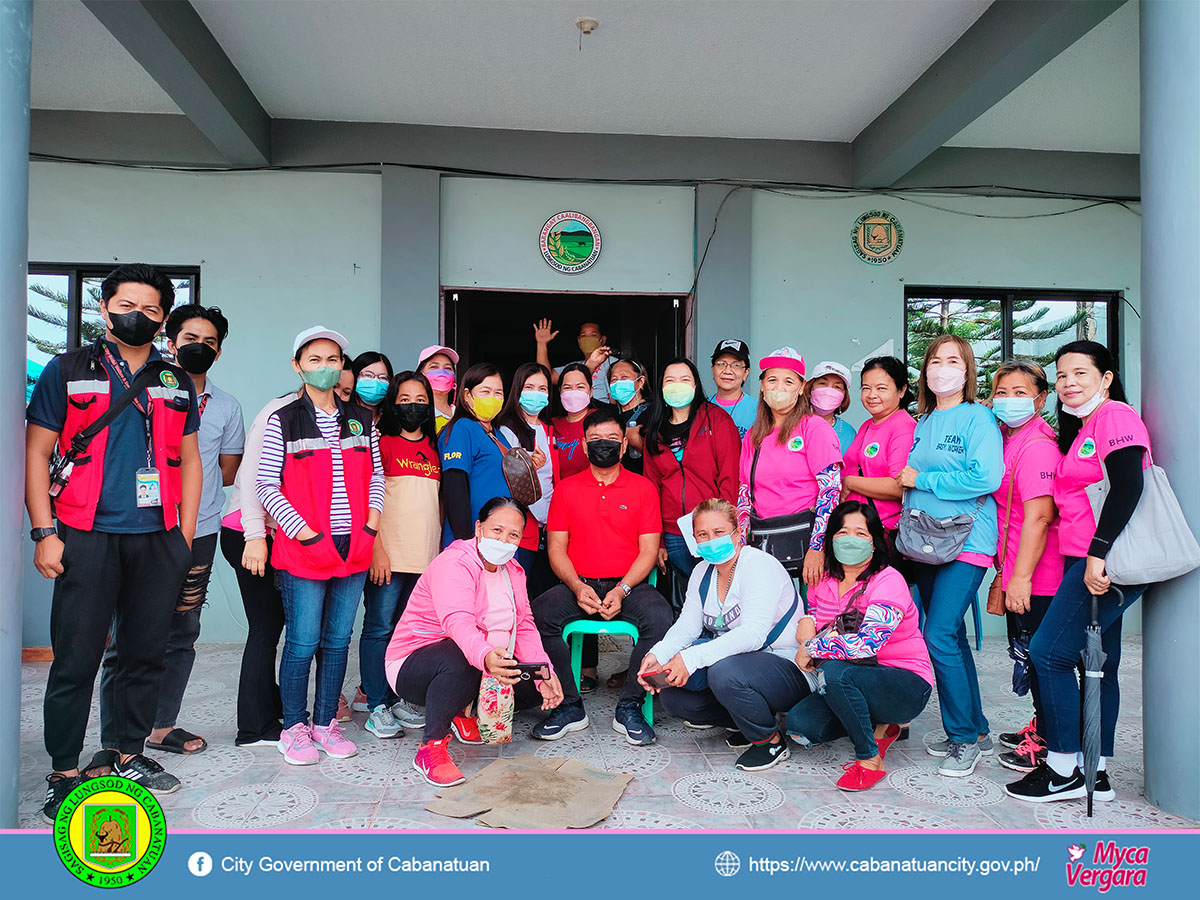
[[603, 532]]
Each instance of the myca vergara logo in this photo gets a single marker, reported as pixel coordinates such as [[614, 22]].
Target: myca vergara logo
[[570, 242], [110, 832], [877, 237], [871, 450], [1087, 449], [1107, 866]]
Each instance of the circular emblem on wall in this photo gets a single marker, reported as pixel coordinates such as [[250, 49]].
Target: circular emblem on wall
[[110, 832], [570, 242], [877, 237]]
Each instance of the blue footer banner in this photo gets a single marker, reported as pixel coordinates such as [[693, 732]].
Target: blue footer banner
[[117, 848]]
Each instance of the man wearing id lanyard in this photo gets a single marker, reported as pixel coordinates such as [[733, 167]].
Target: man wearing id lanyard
[[196, 335], [126, 509]]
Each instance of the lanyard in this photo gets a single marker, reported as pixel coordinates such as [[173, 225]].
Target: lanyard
[[146, 411], [203, 403]]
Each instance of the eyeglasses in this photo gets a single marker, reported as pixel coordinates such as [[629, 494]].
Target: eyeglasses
[[372, 376], [736, 366]]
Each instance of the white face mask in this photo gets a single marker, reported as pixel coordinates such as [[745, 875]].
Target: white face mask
[[496, 552], [1088, 407], [945, 381]]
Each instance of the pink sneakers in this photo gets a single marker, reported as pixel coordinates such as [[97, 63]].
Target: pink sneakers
[[330, 739], [434, 763], [296, 745]]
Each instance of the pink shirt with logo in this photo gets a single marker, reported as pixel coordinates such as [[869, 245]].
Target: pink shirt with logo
[[785, 480], [1113, 426], [1031, 459], [905, 648], [880, 449]]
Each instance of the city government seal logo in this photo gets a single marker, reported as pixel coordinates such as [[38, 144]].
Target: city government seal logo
[[168, 379], [110, 832], [356, 427], [570, 242], [877, 237]]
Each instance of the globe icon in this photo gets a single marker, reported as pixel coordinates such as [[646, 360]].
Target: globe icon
[[727, 863]]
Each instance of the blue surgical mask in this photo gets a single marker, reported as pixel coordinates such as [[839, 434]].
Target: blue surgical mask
[[370, 390], [1014, 411], [533, 402], [622, 391], [718, 550]]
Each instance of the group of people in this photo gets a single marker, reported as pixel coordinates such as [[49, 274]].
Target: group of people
[[755, 541]]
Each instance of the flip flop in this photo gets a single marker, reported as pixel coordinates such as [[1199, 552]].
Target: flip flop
[[102, 759], [176, 742]]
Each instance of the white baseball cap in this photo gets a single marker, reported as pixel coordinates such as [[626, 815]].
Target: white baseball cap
[[828, 367], [316, 333]]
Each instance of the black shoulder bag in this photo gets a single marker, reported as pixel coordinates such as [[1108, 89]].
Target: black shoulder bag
[[785, 537]]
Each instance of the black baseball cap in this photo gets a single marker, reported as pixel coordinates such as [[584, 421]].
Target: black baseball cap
[[733, 348]]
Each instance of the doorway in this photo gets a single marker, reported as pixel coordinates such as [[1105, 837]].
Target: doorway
[[497, 326]]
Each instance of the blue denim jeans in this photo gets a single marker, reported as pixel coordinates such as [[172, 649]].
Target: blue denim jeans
[[678, 554], [317, 614], [946, 593], [856, 699], [383, 605], [1055, 651]]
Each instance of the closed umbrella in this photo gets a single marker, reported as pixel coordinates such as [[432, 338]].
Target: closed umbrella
[[1093, 670]]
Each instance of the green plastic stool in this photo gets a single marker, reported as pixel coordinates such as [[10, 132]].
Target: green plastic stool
[[573, 635]]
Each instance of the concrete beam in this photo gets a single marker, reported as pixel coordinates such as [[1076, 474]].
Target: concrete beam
[[1006, 45], [173, 44]]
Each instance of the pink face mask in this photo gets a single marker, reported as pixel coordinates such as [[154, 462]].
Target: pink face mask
[[575, 400], [827, 399], [441, 379], [945, 381]]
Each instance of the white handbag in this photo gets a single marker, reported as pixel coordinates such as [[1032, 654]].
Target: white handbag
[[1157, 544]]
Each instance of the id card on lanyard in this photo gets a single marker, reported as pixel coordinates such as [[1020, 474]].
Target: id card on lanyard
[[147, 484]]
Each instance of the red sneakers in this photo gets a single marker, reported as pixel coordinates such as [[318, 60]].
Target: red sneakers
[[434, 763], [466, 729], [889, 738], [859, 778]]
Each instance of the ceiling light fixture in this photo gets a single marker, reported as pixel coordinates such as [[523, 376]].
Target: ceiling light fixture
[[586, 25]]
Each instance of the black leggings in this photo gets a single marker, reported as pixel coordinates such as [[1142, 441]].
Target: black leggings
[[439, 677]]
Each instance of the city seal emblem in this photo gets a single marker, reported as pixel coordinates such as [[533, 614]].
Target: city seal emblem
[[570, 242], [877, 237], [110, 832]]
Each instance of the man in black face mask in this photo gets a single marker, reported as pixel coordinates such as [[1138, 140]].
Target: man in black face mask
[[126, 515], [603, 533], [195, 335]]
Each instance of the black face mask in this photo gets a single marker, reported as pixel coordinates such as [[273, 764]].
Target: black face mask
[[134, 328], [412, 416], [196, 358], [604, 454]]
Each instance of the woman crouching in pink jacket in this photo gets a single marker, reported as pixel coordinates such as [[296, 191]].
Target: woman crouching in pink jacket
[[469, 617]]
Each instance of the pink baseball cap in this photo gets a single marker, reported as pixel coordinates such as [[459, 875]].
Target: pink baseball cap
[[436, 348], [783, 358]]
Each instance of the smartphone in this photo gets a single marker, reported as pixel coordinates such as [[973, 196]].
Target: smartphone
[[529, 670], [658, 679]]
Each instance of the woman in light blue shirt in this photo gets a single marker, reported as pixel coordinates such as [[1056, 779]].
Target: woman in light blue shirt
[[828, 392]]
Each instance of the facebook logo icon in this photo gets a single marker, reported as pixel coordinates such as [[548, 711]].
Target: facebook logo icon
[[200, 864]]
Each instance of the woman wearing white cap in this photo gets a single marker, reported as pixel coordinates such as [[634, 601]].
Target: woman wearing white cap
[[789, 471], [437, 364], [828, 391]]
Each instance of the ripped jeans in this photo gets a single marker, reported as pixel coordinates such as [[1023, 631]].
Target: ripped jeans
[[180, 654]]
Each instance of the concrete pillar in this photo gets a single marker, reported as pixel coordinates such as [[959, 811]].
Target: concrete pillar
[[723, 291], [1170, 160], [410, 279], [16, 41]]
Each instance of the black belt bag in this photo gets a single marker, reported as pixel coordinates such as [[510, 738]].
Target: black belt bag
[[784, 537]]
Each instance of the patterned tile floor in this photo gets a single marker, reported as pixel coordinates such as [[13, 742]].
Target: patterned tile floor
[[685, 781]]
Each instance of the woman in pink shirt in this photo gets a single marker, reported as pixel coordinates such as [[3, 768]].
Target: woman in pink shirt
[[467, 609], [874, 671], [1028, 560]]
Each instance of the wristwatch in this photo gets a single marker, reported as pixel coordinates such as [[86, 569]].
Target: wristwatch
[[37, 534], [626, 588]]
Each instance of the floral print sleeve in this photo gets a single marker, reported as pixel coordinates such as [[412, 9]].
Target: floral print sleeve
[[743, 510], [829, 491], [879, 621]]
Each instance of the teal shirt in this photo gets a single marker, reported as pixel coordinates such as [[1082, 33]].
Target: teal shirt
[[845, 433]]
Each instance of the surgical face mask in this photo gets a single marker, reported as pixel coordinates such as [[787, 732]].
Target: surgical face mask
[[945, 381], [589, 344], [323, 379], [718, 550], [533, 402], [852, 551], [604, 453], [1013, 411], [1086, 408], [196, 357], [496, 552], [486, 408], [622, 391], [441, 379], [780, 401], [827, 399], [412, 415], [575, 399], [133, 328], [370, 390], [678, 395]]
